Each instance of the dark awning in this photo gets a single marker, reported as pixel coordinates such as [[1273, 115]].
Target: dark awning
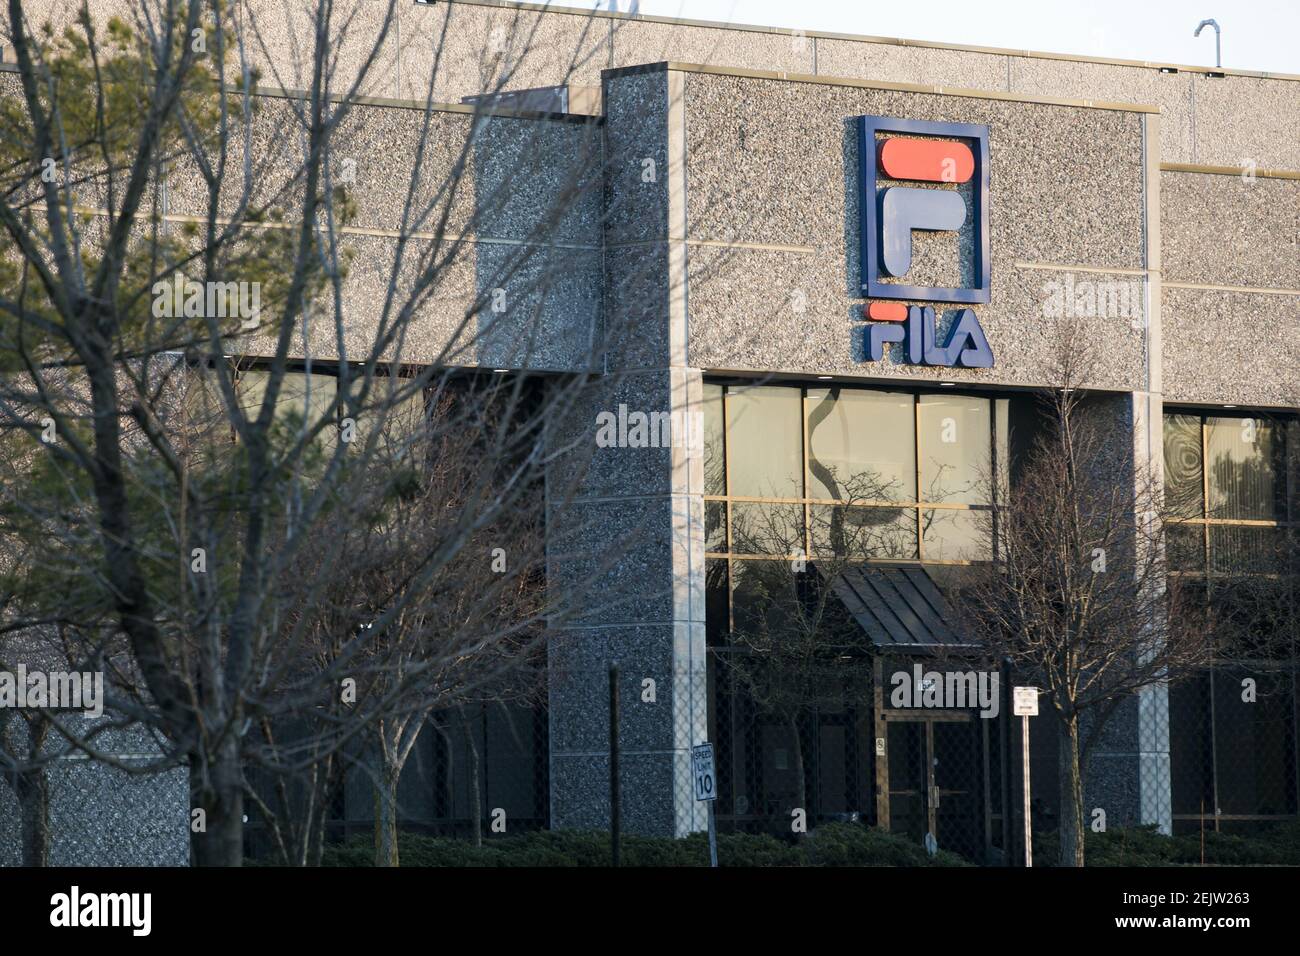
[[900, 607]]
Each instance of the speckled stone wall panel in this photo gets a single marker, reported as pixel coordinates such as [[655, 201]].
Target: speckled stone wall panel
[[279, 42], [102, 816], [455, 50], [62, 14], [623, 556], [1143, 86], [593, 470], [911, 64], [637, 286], [1129, 774], [637, 42], [551, 302], [579, 672], [652, 800], [460, 50], [1230, 230], [626, 523], [1231, 347], [636, 158], [775, 162], [1241, 119], [503, 177], [745, 316], [525, 211]]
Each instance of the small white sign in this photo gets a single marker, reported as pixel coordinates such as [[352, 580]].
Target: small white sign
[[706, 780], [1024, 701]]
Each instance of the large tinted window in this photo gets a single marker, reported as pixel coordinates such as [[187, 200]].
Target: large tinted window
[[955, 449], [764, 454], [1245, 480], [862, 473]]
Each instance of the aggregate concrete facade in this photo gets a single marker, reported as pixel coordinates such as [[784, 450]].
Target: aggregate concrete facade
[[740, 254]]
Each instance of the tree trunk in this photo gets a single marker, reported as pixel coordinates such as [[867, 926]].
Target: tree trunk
[[386, 814], [801, 785], [221, 841], [32, 788], [33, 792], [475, 797], [1071, 824]]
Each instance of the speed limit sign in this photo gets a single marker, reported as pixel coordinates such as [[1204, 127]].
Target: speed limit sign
[[706, 781]]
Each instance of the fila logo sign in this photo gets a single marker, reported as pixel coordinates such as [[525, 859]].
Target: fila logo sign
[[953, 160]]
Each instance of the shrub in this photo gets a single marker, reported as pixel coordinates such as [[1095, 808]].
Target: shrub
[[849, 844], [834, 844], [1146, 846]]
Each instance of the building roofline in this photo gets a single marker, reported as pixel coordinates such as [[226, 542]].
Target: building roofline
[[824, 80], [891, 41], [278, 92]]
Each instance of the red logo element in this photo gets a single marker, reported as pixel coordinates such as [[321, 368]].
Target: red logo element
[[886, 311], [927, 160]]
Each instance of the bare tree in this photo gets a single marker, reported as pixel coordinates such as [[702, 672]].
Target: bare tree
[[466, 633], [1078, 596], [184, 491]]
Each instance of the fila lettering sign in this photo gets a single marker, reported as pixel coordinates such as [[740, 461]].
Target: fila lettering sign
[[951, 161]]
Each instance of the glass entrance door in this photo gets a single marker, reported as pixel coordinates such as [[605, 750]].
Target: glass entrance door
[[935, 781]]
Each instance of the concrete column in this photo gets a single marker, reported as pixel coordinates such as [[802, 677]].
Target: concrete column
[[626, 523], [1128, 776]]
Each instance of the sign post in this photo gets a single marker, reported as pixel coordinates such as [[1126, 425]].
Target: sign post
[[1024, 704], [706, 789]]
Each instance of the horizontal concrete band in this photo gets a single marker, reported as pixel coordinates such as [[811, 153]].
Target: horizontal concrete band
[[1228, 171], [353, 231], [277, 92], [675, 66], [866, 38]]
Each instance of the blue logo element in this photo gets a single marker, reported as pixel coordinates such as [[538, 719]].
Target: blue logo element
[[890, 214], [965, 344]]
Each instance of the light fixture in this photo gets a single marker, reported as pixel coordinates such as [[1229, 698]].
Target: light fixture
[[823, 378], [1229, 406], [1169, 69], [947, 384], [1218, 56]]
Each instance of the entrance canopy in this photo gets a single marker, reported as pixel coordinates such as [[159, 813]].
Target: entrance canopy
[[900, 607]]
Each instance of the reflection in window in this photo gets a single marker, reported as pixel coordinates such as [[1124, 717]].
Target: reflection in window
[[864, 533], [866, 450], [774, 529], [1243, 469], [715, 460], [1225, 480], [1246, 549], [302, 401], [1229, 474], [954, 535], [1184, 491], [861, 445], [954, 448]]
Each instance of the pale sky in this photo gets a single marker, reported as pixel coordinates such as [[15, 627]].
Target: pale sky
[[1257, 34]]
